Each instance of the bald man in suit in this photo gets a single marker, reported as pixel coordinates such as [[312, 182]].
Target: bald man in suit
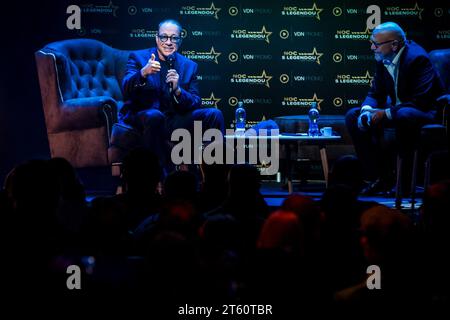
[[402, 96]]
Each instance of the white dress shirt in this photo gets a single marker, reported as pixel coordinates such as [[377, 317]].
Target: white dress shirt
[[393, 67]]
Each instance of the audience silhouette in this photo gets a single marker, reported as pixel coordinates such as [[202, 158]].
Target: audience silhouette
[[177, 239]]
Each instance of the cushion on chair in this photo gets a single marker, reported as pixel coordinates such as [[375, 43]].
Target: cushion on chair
[[433, 137]]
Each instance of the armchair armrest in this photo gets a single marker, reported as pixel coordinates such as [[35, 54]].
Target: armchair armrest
[[445, 99], [84, 113], [445, 102]]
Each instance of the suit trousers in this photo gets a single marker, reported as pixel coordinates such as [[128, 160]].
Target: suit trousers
[[372, 148], [156, 127]]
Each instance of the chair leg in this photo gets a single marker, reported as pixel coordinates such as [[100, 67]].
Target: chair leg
[[398, 185], [426, 181], [116, 171], [414, 179]]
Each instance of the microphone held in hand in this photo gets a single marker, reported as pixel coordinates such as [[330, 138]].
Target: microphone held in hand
[[171, 62]]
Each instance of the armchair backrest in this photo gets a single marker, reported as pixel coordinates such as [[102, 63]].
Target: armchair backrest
[[441, 62], [88, 68]]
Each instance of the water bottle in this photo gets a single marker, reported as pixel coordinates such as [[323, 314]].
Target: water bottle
[[313, 114], [240, 119]]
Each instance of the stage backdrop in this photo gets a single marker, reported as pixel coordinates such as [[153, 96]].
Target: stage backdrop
[[278, 56], [275, 56]]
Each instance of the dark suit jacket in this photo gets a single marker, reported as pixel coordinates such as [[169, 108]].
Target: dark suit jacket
[[141, 94], [418, 83]]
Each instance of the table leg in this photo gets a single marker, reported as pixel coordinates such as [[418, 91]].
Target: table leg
[[398, 185], [289, 168], [324, 158]]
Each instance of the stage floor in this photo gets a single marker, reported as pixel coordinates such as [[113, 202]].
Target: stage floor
[[99, 182], [275, 193]]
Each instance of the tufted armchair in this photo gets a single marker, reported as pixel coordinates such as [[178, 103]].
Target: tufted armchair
[[80, 81]]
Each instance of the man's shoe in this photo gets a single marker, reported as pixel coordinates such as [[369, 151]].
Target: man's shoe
[[378, 187]]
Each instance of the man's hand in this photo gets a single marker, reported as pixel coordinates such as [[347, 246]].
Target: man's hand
[[172, 76], [377, 116], [370, 117], [151, 67], [364, 121]]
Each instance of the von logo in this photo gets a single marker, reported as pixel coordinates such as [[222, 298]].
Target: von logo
[[74, 280], [74, 20], [374, 279], [375, 16]]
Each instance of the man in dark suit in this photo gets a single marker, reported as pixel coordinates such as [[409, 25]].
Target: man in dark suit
[[161, 92], [402, 96]]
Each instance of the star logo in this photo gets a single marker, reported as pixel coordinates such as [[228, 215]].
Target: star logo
[[212, 55], [266, 34], [266, 78], [316, 99], [419, 10], [316, 55], [317, 10], [112, 7], [212, 100], [216, 10], [368, 77], [365, 33], [215, 54]]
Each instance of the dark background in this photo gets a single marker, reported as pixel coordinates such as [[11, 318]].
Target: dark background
[[28, 27]]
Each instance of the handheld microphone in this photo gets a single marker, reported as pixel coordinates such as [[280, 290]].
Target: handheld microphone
[[171, 62]]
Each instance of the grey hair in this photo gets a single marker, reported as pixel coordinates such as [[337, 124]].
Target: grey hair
[[180, 28], [393, 28]]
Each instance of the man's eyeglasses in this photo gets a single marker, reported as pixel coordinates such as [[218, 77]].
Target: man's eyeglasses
[[379, 44], [173, 39]]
